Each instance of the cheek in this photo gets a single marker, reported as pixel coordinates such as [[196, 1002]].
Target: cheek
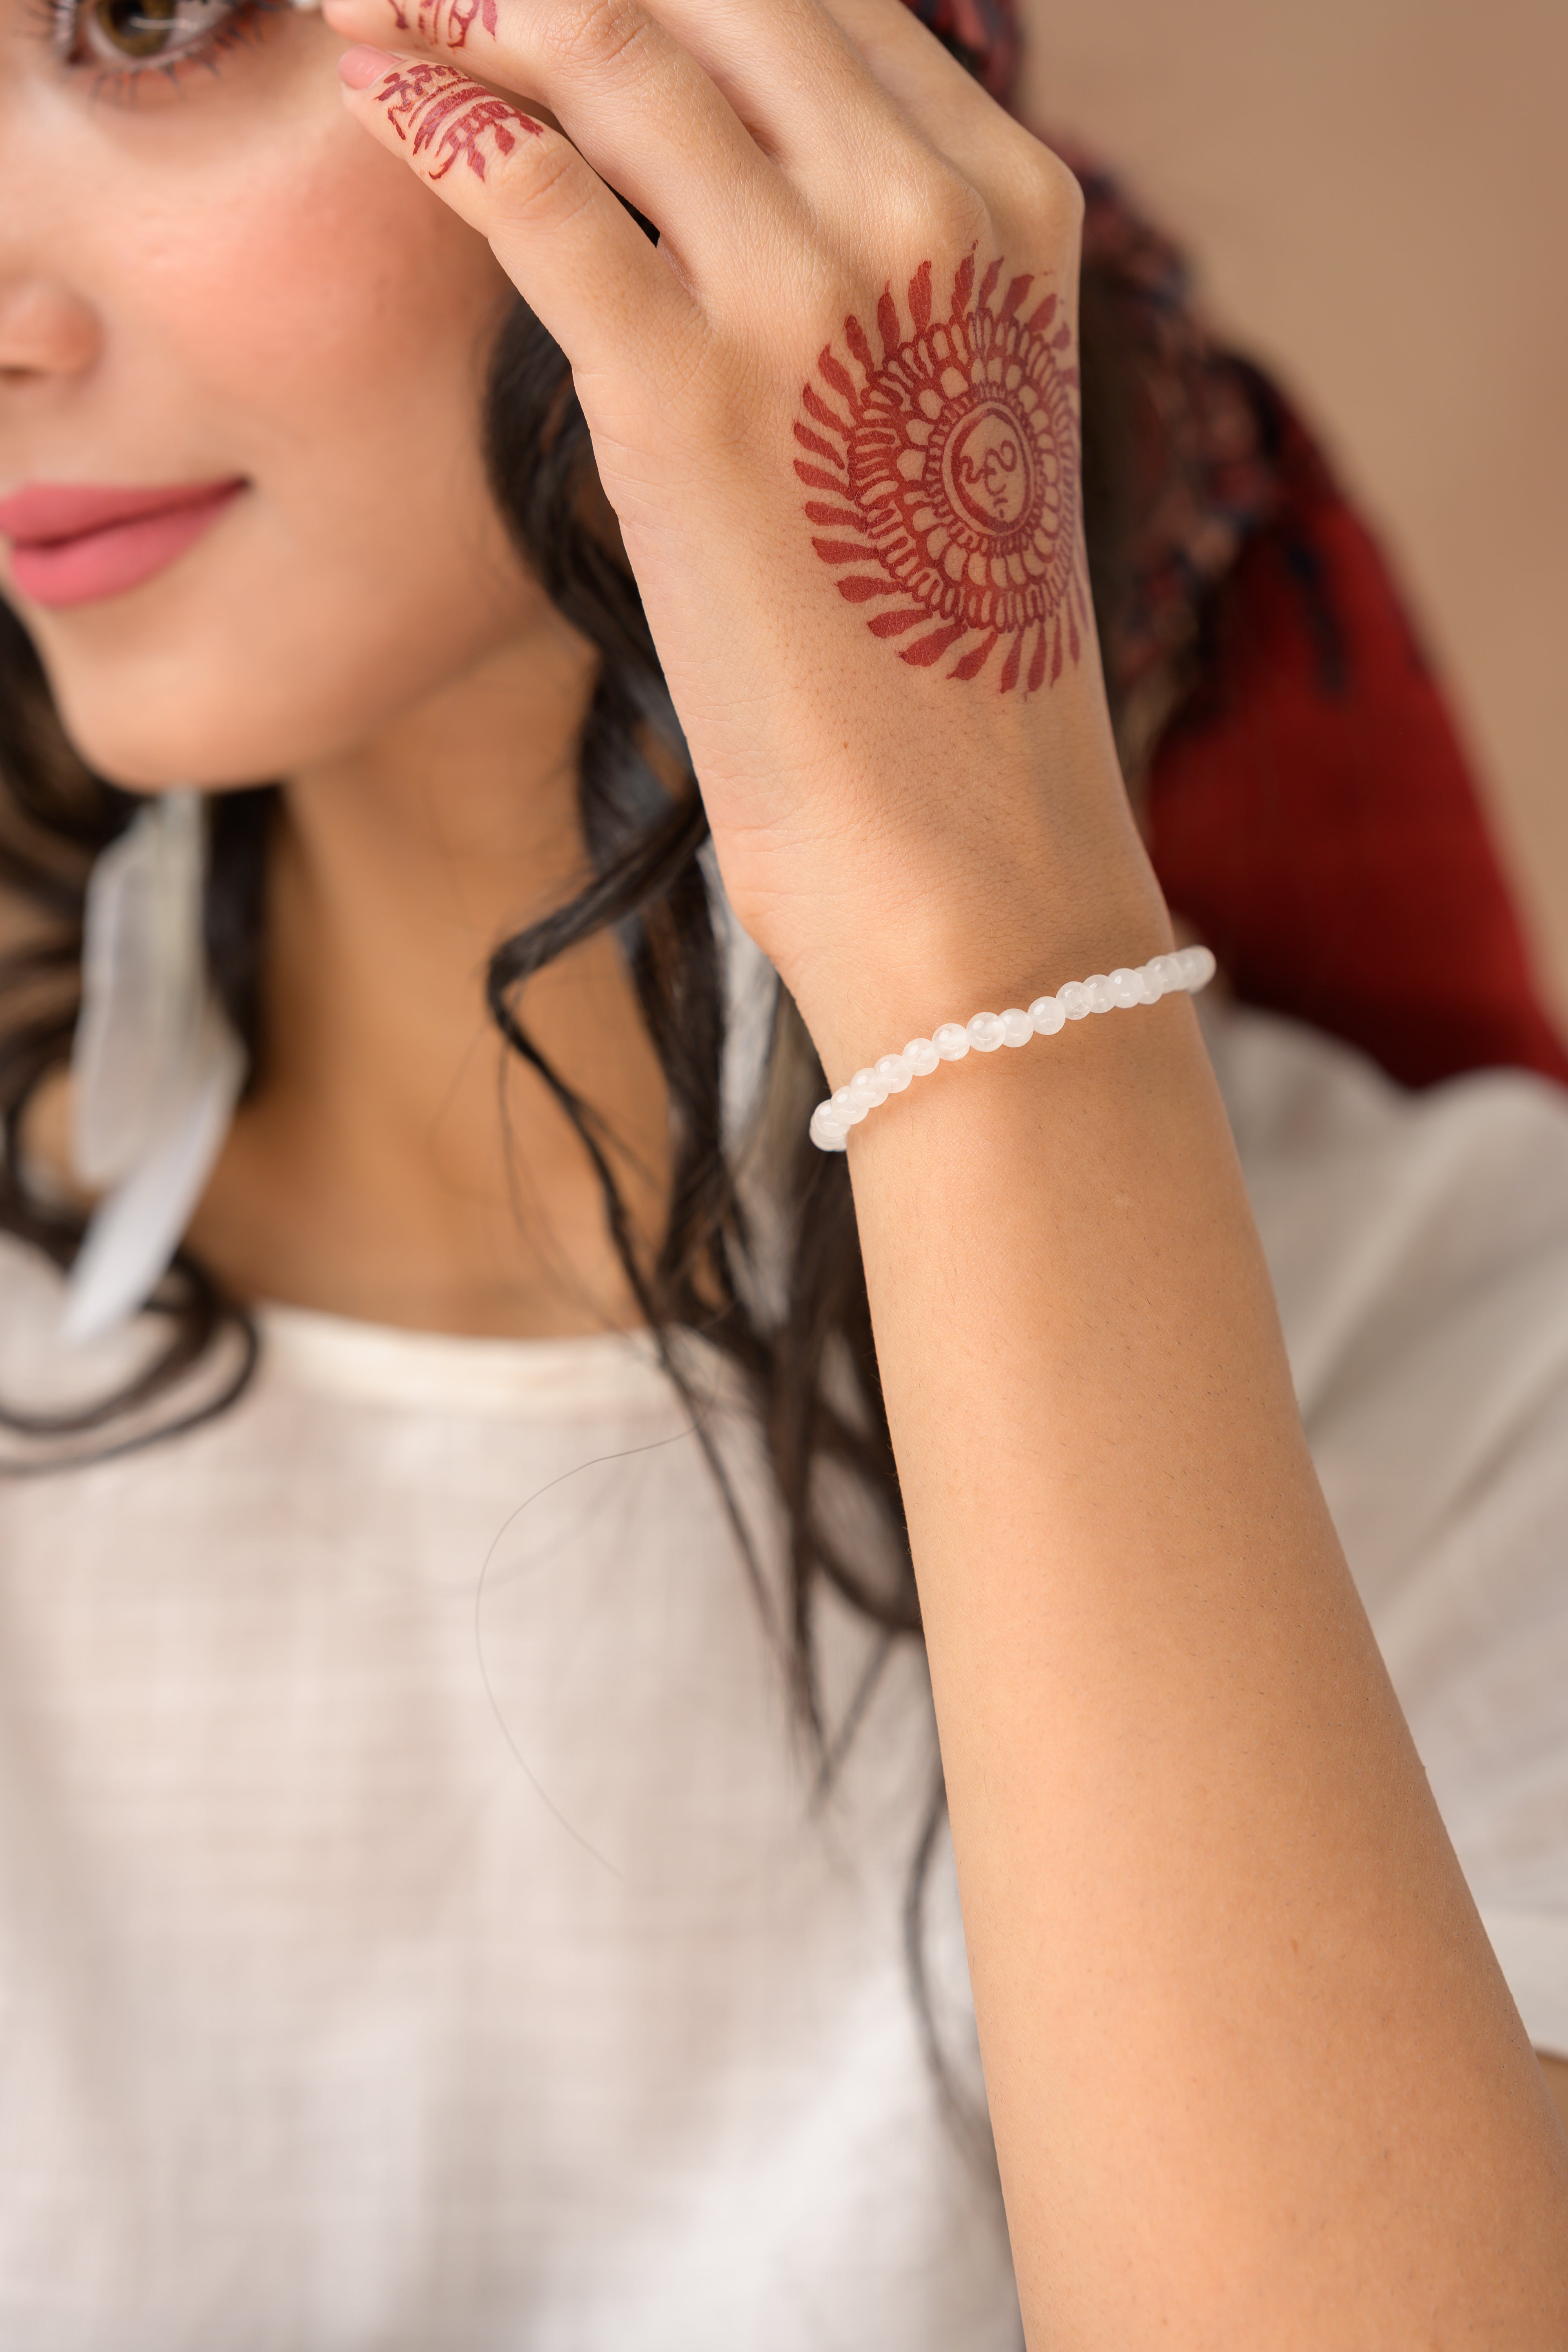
[[325, 334], [321, 282]]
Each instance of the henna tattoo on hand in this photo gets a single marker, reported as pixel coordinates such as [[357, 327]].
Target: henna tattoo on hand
[[954, 460], [435, 106], [447, 21]]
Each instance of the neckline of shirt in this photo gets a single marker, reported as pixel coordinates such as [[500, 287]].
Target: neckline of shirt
[[380, 1364]]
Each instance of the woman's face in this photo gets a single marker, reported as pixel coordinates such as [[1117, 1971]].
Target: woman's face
[[212, 282]]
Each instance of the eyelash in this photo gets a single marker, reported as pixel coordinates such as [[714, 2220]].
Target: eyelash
[[61, 22]]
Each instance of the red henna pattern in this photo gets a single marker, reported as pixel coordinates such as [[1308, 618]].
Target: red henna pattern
[[444, 20], [432, 106], [953, 460]]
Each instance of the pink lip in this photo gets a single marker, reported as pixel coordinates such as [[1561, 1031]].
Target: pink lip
[[72, 544]]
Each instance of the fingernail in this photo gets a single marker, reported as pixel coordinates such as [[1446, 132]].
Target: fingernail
[[360, 67]]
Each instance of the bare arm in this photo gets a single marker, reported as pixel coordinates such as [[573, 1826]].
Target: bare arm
[[1254, 2078], [1557, 2073], [1238, 2012]]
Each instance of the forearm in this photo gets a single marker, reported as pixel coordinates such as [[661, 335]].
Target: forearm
[[1252, 2071], [1254, 2076]]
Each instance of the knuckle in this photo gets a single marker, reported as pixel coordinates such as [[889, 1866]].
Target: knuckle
[[597, 33], [961, 211], [1039, 202], [1056, 190], [925, 207], [552, 183]]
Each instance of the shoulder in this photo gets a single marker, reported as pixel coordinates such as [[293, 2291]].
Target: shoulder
[[1391, 1219], [1418, 1244]]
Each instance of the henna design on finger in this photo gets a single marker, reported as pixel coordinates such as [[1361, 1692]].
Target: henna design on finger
[[954, 460], [446, 21], [435, 106]]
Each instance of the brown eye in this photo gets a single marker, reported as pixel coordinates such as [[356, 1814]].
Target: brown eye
[[129, 32]]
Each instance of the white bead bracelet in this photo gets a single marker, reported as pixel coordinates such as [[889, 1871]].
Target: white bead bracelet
[[1188, 969]]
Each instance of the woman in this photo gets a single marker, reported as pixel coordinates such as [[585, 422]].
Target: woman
[[379, 1985]]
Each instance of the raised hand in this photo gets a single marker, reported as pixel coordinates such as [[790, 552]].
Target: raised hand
[[836, 411]]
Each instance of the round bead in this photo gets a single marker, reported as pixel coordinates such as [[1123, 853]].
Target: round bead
[[1186, 968]]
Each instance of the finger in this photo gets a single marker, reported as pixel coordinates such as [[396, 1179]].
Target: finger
[[635, 104], [575, 253], [824, 84], [786, 71], [791, 75], [942, 100]]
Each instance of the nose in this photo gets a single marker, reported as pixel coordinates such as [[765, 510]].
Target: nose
[[46, 332]]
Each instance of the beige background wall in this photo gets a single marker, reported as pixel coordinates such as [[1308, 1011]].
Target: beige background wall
[[1377, 191]]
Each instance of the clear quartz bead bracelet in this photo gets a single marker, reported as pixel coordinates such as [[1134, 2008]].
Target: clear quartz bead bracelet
[[1186, 970]]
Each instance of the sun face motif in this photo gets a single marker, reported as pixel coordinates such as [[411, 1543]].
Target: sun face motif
[[953, 459]]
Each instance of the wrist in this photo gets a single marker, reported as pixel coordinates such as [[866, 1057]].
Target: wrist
[[893, 966]]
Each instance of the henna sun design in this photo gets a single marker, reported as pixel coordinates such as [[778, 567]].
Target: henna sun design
[[433, 106], [953, 459]]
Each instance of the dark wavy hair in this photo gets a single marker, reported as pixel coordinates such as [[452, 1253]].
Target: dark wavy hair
[[797, 1331]]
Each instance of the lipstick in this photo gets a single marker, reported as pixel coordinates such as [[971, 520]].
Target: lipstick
[[74, 544]]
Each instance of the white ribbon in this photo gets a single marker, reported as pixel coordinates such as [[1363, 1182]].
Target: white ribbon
[[155, 1066]]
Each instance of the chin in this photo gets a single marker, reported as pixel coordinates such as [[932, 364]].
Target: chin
[[148, 728], [217, 707]]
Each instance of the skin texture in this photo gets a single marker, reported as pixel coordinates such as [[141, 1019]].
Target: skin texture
[[1254, 2078]]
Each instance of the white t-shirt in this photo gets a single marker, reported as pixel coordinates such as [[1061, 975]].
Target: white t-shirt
[[420, 1927]]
